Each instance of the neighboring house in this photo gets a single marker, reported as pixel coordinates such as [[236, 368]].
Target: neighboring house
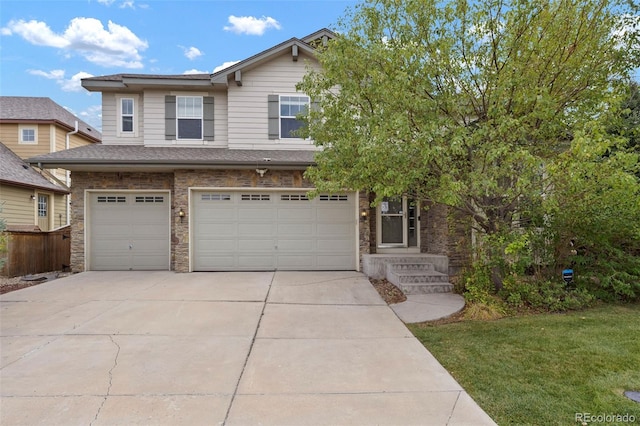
[[28, 200], [31, 126], [202, 173]]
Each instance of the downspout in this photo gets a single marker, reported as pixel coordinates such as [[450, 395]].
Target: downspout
[[67, 175]]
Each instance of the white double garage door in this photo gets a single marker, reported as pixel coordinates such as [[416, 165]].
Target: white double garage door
[[229, 231]]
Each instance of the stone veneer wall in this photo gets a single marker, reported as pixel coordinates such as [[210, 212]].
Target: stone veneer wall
[[112, 181], [444, 232]]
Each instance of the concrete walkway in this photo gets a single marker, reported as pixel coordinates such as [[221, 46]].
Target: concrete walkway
[[285, 348], [428, 307]]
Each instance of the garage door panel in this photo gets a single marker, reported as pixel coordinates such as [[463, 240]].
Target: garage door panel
[[149, 262], [337, 229], [256, 214], [256, 230], [218, 229], [296, 245], [216, 245], [112, 231], [255, 261], [300, 214], [293, 262], [327, 245], [334, 262], [129, 231], [274, 230], [302, 229], [213, 263], [111, 262]]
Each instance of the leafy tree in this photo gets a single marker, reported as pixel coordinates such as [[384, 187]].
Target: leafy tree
[[465, 102]]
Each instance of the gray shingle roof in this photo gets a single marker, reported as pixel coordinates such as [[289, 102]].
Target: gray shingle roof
[[22, 108], [14, 171], [84, 157]]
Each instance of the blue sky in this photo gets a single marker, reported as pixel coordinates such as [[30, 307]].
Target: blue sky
[[46, 47]]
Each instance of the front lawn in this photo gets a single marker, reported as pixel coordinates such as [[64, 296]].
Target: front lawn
[[543, 369]]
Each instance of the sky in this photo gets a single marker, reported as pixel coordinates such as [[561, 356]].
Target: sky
[[46, 47]]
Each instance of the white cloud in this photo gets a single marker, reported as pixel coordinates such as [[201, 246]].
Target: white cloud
[[251, 25], [115, 46], [127, 3], [192, 52], [195, 71], [72, 84], [106, 2], [224, 65], [51, 75]]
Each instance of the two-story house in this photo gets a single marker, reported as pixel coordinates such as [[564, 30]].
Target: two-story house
[[31, 126], [206, 172]]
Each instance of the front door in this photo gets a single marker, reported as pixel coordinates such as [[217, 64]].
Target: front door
[[398, 223]]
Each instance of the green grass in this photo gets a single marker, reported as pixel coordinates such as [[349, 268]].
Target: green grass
[[543, 369]]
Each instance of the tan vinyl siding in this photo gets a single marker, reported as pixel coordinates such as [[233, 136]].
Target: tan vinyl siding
[[59, 211], [26, 150], [153, 118], [77, 140], [109, 120], [61, 138], [248, 128], [9, 135], [16, 205], [154, 123]]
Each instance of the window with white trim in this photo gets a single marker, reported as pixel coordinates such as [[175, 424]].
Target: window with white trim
[[43, 205], [28, 134], [126, 114], [290, 109], [189, 117]]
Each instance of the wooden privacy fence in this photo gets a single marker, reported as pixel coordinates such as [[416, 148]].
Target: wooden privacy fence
[[36, 252]]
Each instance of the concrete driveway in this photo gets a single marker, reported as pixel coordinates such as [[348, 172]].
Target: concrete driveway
[[281, 348]]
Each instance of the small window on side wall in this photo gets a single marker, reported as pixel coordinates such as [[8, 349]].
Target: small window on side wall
[[28, 135]]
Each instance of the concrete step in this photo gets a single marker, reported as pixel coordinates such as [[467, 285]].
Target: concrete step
[[411, 266], [417, 278], [425, 288]]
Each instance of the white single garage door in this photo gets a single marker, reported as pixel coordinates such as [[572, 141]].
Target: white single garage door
[[129, 231], [272, 230]]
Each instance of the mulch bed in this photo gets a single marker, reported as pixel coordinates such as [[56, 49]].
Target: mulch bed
[[389, 292], [16, 283]]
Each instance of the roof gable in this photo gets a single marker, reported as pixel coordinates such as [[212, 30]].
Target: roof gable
[[41, 109], [14, 171], [220, 78]]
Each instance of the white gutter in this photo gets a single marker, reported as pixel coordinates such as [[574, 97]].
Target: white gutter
[[67, 174]]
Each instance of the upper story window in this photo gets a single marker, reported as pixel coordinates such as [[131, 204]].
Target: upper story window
[[284, 111], [189, 117], [127, 114], [290, 109], [28, 134]]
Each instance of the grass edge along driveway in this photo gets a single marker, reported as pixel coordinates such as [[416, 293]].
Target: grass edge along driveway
[[546, 369]]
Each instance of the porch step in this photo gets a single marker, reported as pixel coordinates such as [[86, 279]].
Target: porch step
[[417, 278]]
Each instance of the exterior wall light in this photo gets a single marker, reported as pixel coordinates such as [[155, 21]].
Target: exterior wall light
[[33, 197], [181, 214], [261, 172], [363, 215]]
